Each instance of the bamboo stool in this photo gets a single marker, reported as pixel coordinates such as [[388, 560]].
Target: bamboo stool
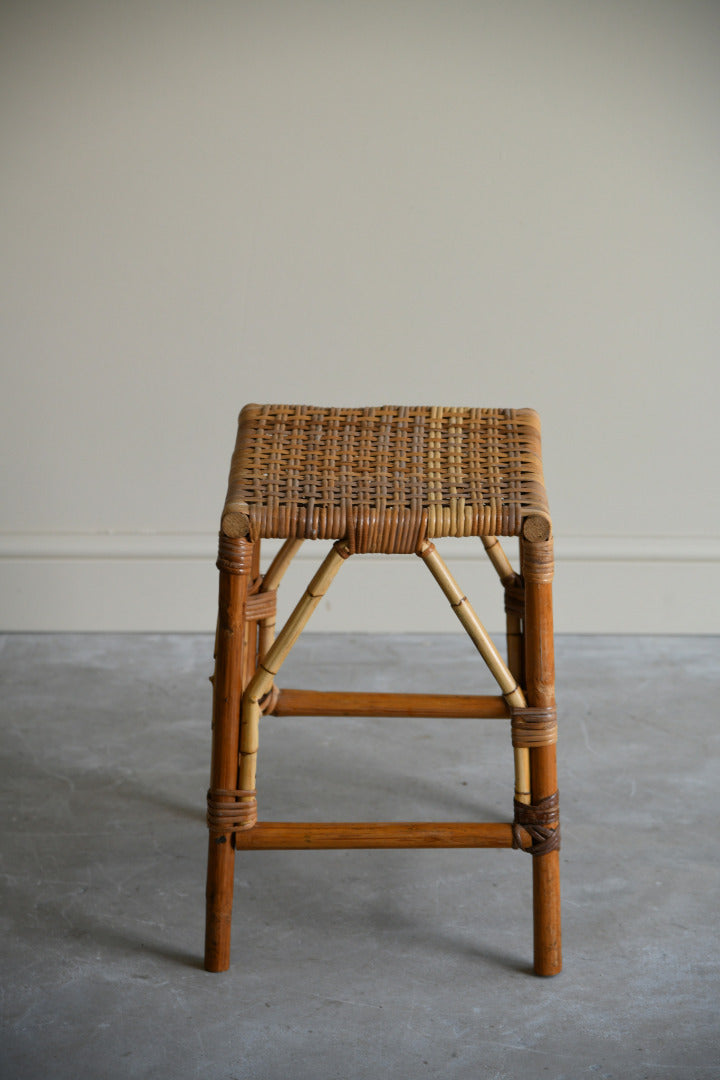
[[383, 480]]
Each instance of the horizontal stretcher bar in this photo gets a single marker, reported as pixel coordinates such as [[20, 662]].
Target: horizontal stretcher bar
[[345, 703], [305, 835]]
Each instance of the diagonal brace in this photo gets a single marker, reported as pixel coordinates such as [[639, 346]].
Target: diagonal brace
[[483, 643], [276, 655]]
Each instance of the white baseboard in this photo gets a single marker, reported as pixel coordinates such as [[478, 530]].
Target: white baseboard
[[167, 583]]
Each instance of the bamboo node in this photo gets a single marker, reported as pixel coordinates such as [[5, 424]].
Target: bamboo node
[[533, 726], [542, 821], [225, 816]]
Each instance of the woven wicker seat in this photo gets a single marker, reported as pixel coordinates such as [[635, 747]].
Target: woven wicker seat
[[384, 478], [387, 479]]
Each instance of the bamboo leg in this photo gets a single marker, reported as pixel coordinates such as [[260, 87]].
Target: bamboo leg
[[235, 565], [484, 644], [262, 680], [537, 569]]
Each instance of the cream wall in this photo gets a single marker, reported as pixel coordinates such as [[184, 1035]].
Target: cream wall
[[498, 203]]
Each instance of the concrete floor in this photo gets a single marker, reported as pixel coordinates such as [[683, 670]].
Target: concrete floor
[[353, 965]]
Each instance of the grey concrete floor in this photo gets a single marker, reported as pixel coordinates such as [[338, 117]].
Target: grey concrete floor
[[355, 964]]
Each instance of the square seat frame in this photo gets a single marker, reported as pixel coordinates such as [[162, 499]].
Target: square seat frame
[[248, 655]]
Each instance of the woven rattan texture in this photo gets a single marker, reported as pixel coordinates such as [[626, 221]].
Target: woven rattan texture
[[384, 478]]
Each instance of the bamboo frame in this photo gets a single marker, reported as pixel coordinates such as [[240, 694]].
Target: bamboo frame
[[483, 643]]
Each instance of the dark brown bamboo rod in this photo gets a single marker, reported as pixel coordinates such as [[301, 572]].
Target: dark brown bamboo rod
[[273, 835], [540, 674], [227, 692], [344, 703], [514, 638], [250, 630]]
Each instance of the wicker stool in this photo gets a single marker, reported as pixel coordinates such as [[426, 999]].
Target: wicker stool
[[383, 480]]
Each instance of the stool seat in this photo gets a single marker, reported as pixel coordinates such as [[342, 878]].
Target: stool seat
[[384, 479]]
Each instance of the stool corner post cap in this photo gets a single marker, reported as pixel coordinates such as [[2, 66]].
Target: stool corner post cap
[[537, 528], [235, 520]]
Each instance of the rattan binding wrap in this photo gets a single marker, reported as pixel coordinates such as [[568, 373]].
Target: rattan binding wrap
[[533, 727], [226, 816], [542, 821], [384, 478]]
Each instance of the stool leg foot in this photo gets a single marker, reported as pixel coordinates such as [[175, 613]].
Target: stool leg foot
[[546, 913], [218, 904]]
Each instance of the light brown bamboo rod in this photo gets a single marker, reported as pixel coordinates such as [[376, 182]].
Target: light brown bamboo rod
[[345, 703], [521, 758], [485, 646], [271, 580], [475, 629], [227, 691], [303, 610], [266, 636], [276, 570], [272, 835], [540, 671], [262, 680], [498, 558]]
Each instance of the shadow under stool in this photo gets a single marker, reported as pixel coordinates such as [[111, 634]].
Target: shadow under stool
[[391, 480]]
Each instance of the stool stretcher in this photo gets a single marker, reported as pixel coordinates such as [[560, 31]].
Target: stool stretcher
[[350, 703], [312, 835]]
